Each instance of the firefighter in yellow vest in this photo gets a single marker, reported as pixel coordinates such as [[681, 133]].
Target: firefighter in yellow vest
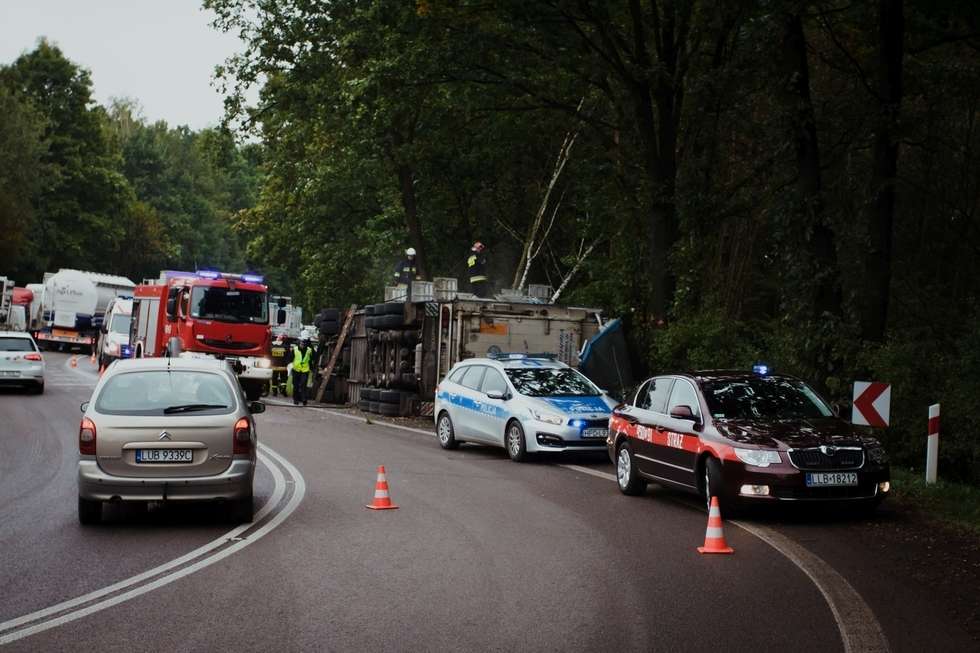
[[476, 268], [303, 359]]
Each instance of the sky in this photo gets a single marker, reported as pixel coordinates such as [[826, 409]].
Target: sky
[[162, 53]]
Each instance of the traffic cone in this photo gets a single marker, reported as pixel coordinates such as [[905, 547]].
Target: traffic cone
[[73, 362], [382, 501], [714, 537]]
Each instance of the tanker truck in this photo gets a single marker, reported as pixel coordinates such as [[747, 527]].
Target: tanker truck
[[73, 306]]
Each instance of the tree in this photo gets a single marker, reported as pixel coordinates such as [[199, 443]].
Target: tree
[[21, 152]]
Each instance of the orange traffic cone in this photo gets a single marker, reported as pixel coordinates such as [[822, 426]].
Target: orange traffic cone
[[714, 537], [73, 362], [382, 501]]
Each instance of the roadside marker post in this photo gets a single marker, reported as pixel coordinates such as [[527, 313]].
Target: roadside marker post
[[932, 445], [871, 404]]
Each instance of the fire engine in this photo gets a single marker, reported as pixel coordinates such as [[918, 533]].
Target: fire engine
[[206, 314]]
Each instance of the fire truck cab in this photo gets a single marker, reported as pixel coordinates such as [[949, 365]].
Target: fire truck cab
[[206, 314]]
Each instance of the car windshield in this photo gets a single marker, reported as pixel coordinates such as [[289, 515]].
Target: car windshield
[[120, 323], [551, 382], [763, 398], [165, 392], [16, 344], [228, 305]]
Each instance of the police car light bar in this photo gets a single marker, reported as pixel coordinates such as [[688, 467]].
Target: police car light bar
[[505, 355], [251, 277], [762, 369]]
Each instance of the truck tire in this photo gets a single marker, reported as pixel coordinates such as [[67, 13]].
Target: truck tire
[[391, 308], [390, 396], [389, 321], [330, 315], [253, 389], [373, 407], [369, 309], [363, 405], [369, 394], [371, 322], [329, 328], [389, 410]]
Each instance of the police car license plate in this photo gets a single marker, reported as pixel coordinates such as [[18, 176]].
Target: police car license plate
[[595, 433], [821, 479], [164, 455]]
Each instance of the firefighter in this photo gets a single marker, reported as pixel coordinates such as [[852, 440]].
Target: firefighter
[[303, 358], [407, 270], [476, 267]]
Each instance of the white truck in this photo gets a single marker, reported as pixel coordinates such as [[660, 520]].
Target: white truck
[[73, 306]]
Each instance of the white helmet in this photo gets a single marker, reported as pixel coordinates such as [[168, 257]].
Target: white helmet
[[410, 251]]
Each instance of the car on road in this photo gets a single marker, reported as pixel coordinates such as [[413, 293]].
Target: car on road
[[21, 362], [113, 341], [746, 438], [167, 429], [525, 403]]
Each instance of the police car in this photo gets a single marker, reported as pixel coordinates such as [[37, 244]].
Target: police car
[[523, 402]]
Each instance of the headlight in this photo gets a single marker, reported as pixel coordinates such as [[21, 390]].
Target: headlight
[[547, 418], [758, 457], [877, 455], [264, 363]]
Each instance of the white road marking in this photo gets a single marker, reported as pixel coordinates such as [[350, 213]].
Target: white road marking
[[859, 630], [239, 543]]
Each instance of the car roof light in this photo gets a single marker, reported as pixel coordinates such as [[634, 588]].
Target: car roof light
[[209, 274], [762, 369], [251, 277], [505, 355]]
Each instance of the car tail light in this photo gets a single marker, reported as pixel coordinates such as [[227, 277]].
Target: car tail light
[[86, 437], [242, 442], [33, 357]]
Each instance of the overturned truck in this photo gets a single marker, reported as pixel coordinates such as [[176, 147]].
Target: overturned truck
[[394, 354]]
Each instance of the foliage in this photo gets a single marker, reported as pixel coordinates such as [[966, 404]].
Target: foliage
[[21, 151]]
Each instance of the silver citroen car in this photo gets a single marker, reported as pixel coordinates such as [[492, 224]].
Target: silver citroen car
[[167, 429]]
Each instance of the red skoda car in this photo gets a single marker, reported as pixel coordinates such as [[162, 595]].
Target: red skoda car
[[745, 437]]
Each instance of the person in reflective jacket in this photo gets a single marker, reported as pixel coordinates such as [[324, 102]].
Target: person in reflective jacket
[[302, 360], [407, 270], [476, 268]]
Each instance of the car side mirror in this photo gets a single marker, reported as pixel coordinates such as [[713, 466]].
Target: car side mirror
[[683, 412], [84, 406], [172, 307], [503, 396], [281, 316], [256, 407]]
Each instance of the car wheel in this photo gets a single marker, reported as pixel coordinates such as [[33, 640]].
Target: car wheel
[[89, 512], [516, 444], [243, 510], [714, 487], [627, 477], [446, 433]]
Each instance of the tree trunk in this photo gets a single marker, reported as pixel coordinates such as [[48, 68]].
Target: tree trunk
[[406, 183], [881, 209], [820, 244]]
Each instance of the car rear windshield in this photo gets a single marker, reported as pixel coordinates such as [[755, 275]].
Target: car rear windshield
[[551, 382], [763, 398], [16, 344], [165, 392], [227, 305]]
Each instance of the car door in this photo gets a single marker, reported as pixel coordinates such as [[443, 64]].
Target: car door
[[677, 443], [493, 412], [649, 412], [469, 402]]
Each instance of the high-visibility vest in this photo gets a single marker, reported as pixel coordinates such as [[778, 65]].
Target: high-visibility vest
[[475, 267], [301, 361]]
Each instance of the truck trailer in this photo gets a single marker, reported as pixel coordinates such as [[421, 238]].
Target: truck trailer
[[73, 306], [397, 352], [206, 314]]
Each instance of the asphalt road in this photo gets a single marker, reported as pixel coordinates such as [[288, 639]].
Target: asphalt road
[[483, 554]]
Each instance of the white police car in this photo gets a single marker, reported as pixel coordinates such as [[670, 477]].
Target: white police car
[[522, 402]]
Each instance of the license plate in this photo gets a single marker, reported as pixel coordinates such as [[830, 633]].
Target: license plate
[[818, 479], [164, 455], [5, 373], [595, 433]]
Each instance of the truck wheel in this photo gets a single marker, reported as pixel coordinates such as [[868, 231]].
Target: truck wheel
[[391, 308], [253, 390], [390, 396]]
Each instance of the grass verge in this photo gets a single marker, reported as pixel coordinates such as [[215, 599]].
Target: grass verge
[[955, 503]]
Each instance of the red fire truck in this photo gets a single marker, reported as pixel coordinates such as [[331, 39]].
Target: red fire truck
[[206, 314]]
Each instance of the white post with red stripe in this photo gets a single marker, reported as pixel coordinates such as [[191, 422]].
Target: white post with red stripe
[[932, 444]]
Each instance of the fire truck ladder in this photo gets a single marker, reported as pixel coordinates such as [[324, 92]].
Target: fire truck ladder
[[328, 370]]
